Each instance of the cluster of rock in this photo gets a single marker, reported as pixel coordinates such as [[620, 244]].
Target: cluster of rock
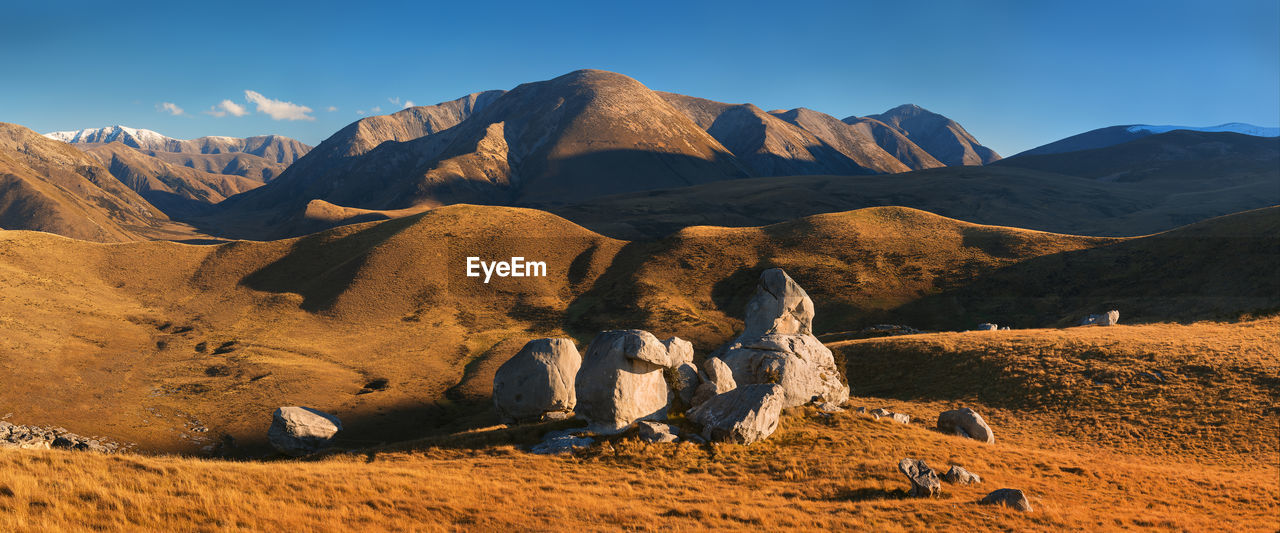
[[988, 326], [45, 438], [630, 376], [926, 482], [299, 431], [1110, 318]]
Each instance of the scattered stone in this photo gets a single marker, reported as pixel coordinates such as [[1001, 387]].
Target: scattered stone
[[562, 441], [621, 380], [1009, 498], [743, 415], [924, 481], [885, 413], [537, 380], [828, 407], [651, 431], [44, 438], [778, 346], [957, 474], [987, 326], [1110, 318], [299, 431], [716, 377], [1005, 328], [967, 423]]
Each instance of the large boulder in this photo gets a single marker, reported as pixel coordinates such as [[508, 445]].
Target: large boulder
[[538, 381], [967, 423], [621, 380], [717, 378], [778, 346], [743, 415], [1009, 498], [299, 431], [924, 481], [1110, 318]]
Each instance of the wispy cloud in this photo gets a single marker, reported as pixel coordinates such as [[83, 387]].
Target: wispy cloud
[[396, 100], [278, 109], [170, 108], [227, 107], [376, 109], [331, 109], [408, 104]]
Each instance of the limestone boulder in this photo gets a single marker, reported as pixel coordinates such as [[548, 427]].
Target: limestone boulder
[[1109, 318], [1013, 498], [967, 423], [538, 382], [958, 475], [299, 431], [987, 326], [621, 380], [924, 481], [777, 345], [744, 415], [717, 378]]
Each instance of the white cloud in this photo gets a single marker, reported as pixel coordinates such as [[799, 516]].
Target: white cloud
[[376, 109], [227, 107], [277, 109], [170, 108], [395, 100], [331, 109], [407, 104]]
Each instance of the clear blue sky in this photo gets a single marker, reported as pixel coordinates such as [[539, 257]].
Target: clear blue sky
[[1016, 74]]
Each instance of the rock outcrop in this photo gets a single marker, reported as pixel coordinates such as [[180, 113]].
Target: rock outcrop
[[743, 415], [1110, 318], [967, 423], [44, 438], [538, 381], [924, 481], [778, 346], [621, 380], [298, 431], [1009, 498]]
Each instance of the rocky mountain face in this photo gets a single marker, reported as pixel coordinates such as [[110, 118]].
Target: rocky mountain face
[[46, 185], [177, 190], [942, 137]]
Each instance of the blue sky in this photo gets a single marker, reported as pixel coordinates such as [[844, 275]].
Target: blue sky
[[1015, 74]]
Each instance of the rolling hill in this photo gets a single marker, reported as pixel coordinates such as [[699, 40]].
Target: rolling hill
[[155, 340]]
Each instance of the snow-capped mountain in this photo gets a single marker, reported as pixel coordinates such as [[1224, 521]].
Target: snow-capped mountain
[[1233, 127], [280, 150], [135, 137]]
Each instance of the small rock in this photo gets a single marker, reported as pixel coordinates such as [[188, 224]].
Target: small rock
[[561, 444], [651, 431], [1009, 498], [957, 474], [924, 481], [1110, 318], [828, 407], [987, 326], [967, 423], [716, 378]]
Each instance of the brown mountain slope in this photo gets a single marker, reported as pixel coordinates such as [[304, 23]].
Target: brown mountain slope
[[940, 136], [150, 340], [176, 190], [585, 134], [868, 140], [769, 146], [250, 166], [47, 185]]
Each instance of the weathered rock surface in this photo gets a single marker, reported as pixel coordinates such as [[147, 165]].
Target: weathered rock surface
[[1009, 498], [717, 378], [651, 431], [299, 431], [967, 423], [537, 381], [924, 481], [44, 438], [682, 375], [778, 346], [957, 474], [743, 415], [1110, 318], [621, 380], [562, 441]]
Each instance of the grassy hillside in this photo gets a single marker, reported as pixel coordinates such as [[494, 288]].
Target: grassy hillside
[[1180, 455], [153, 342]]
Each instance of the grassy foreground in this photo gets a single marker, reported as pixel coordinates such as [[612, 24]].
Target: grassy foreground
[[1109, 452]]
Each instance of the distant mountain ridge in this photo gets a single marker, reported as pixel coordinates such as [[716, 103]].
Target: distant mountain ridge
[[272, 147], [1113, 135], [942, 137]]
